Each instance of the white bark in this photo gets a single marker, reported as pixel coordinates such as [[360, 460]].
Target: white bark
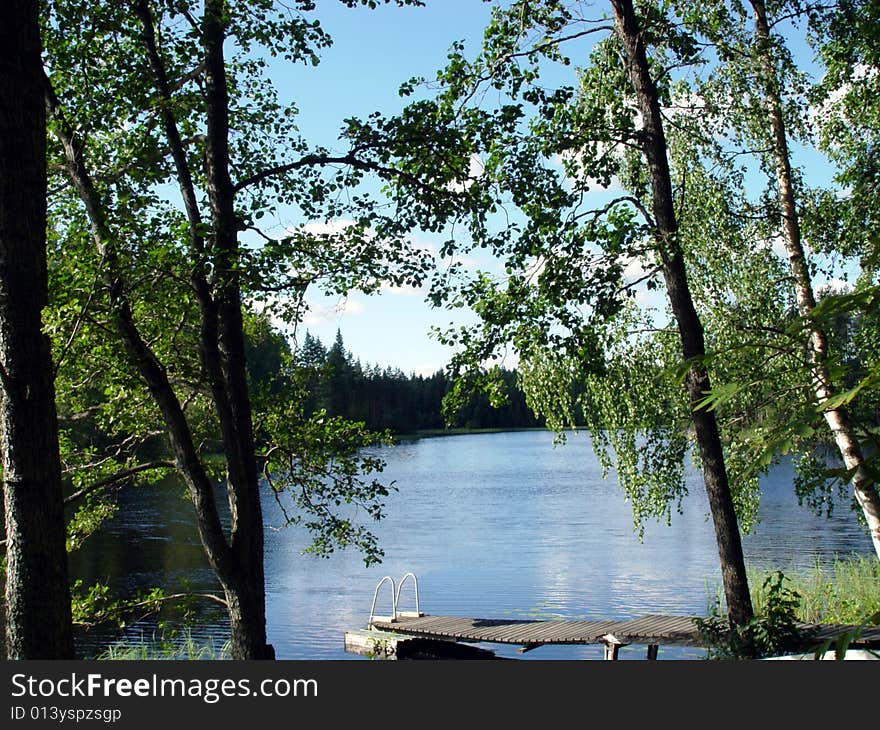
[[838, 419]]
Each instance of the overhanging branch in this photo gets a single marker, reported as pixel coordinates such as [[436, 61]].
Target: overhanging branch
[[311, 160], [117, 477]]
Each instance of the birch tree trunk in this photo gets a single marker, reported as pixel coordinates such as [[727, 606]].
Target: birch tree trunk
[[838, 419]]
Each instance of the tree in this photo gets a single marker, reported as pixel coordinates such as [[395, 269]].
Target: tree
[[311, 357], [690, 327], [38, 622], [238, 560], [847, 130], [835, 413], [757, 98], [387, 399], [562, 301], [172, 279], [846, 37], [339, 378]]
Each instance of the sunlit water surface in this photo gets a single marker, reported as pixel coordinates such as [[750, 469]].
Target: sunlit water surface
[[495, 526]]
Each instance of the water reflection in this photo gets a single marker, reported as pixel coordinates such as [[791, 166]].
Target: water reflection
[[494, 525]]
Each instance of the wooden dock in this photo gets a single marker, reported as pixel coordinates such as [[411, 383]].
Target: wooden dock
[[652, 631], [389, 636]]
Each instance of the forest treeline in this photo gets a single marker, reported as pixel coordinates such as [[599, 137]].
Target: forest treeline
[[336, 382], [386, 398]]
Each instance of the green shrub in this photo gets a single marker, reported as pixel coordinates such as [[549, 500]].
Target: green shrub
[[773, 630], [845, 591]]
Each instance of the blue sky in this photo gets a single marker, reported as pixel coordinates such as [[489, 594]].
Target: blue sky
[[372, 54]]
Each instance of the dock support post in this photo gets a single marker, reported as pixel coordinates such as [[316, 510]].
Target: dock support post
[[652, 652], [611, 651]]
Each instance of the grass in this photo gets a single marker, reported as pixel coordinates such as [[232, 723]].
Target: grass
[[176, 647], [846, 591]]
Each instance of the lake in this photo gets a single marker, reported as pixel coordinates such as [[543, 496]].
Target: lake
[[501, 525]]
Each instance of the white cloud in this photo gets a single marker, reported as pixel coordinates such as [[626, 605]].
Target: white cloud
[[776, 243], [685, 105], [834, 286], [350, 306], [535, 269], [404, 290], [319, 315], [427, 369], [859, 73], [635, 269], [476, 167], [650, 298], [508, 359], [314, 317], [322, 228]]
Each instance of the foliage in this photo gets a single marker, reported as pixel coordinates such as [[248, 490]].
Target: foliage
[[96, 605], [772, 631], [847, 114], [103, 77], [87, 518], [563, 201], [851, 317], [319, 464], [635, 412], [842, 592], [842, 643], [150, 286], [531, 151], [762, 354]]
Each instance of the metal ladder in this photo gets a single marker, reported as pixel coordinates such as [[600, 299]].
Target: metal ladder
[[395, 599]]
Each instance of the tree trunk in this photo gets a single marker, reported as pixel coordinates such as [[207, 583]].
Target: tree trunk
[[38, 617], [238, 562], [246, 612], [690, 327], [838, 419], [236, 418], [247, 619], [221, 338]]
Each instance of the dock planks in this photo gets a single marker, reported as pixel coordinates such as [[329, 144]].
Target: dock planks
[[652, 630], [646, 630]]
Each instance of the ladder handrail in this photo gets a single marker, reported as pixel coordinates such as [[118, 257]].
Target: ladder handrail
[[415, 582], [393, 600]]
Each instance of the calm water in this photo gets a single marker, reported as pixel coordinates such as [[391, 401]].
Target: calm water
[[494, 525]]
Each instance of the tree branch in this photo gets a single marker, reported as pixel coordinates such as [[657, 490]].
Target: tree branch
[[117, 477], [310, 160], [142, 358], [155, 602]]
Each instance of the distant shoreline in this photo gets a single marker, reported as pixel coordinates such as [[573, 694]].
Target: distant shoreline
[[442, 432]]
